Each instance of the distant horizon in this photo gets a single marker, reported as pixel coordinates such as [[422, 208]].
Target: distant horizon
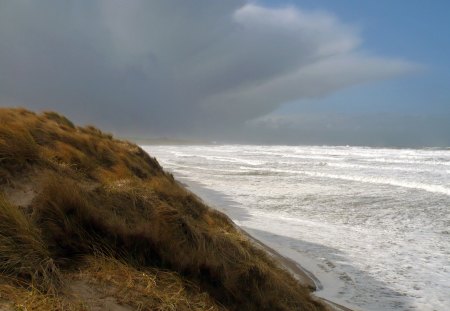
[[177, 141]]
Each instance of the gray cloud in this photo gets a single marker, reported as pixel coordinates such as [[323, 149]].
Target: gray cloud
[[169, 66]]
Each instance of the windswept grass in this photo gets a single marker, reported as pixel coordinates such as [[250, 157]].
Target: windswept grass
[[23, 255], [17, 146], [107, 199], [148, 289], [22, 299], [154, 232], [26, 137], [17, 149]]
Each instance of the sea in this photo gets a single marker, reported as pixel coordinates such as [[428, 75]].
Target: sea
[[372, 225]]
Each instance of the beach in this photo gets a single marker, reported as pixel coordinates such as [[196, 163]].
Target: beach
[[370, 224], [304, 276]]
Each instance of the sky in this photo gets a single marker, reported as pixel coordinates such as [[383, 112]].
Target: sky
[[348, 72]]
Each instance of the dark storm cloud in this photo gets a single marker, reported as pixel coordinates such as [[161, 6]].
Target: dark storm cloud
[[175, 66]]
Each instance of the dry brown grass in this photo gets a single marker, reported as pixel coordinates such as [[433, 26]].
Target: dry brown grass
[[18, 298], [23, 254], [147, 229], [17, 148], [108, 198], [148, 289], [26, 137]]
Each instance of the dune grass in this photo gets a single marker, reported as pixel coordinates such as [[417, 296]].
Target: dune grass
[[106, 208], [146, 289], [23, 254], [21, 299]]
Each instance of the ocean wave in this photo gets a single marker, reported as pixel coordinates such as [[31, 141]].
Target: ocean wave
[[400, 161], [177, 166], [383, 181], [224, 159], [384, 168]]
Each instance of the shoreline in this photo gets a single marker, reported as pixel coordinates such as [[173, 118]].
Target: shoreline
[[305, 277], [82, 211]]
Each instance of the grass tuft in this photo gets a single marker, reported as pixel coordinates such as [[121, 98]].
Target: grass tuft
[[26, 299], [147, 289], [17, 149], [23, 254]]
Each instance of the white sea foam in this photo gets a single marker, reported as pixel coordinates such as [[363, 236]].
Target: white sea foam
[[372, 224], [383, 181]]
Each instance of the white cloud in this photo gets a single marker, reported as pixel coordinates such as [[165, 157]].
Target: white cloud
[[324, 29]]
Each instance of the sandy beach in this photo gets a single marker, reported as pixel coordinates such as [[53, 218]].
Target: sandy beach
[[304, 276], [320, 289]]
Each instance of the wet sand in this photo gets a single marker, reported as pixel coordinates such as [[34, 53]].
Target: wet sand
[[305, 277]]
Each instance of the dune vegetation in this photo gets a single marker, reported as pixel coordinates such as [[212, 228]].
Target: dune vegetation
[[89, 222]]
